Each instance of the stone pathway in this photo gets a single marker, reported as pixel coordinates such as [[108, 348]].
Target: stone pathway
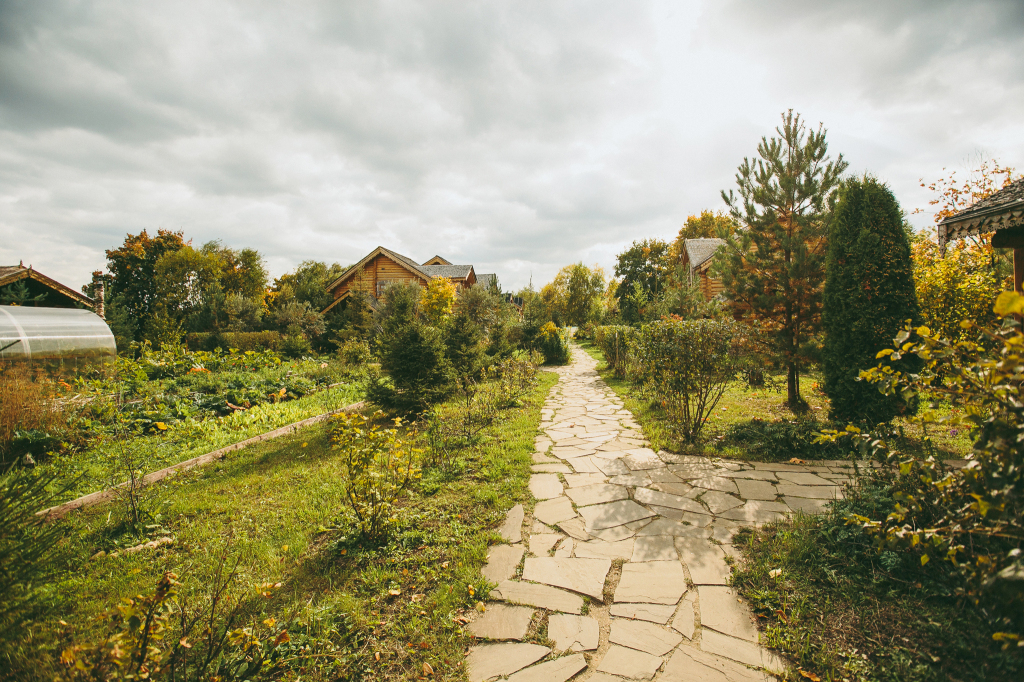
[[623, 563]]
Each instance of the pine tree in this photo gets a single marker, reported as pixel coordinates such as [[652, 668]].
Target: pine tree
[[869, 295], [773, 268]]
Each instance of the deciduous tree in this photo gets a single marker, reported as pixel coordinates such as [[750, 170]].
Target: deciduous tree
[[133, 272], [647, 263], [773, 268]]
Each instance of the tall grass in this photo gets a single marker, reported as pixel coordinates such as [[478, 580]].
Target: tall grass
[[30, 409]]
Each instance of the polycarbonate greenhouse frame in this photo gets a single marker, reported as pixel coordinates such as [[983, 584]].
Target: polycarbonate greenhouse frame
[[54, 338]]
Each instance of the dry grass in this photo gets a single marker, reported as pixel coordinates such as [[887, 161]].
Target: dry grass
[[28, 402]]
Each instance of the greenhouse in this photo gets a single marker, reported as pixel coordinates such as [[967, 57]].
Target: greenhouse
[[54, 338]]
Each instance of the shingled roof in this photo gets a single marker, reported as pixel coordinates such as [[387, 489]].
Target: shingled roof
[[999, 211], [700, 250], [449, 271]]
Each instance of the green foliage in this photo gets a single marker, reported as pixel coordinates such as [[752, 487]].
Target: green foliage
[[553, 343], [159, 636], [779, 441], [684, 366], [574, 297], [306, 284], [355, 353], [414, 356], [643, 271], [869, 296], [706, 224], [463, 341], [18, 293], [774, 269], [378, 466], [243, 341], [613, 340], [27, 547], [133, 270], [971, 517]]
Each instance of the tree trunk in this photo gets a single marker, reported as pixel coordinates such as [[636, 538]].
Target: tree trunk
[[793, 387]]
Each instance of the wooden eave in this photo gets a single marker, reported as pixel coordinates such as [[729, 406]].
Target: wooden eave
[[379, 251], [437, 260], [29, 273], [981, 222]]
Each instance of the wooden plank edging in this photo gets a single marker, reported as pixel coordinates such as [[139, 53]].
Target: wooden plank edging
[[93, 499]]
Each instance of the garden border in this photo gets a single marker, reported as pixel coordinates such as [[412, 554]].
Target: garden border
[[93, 499]]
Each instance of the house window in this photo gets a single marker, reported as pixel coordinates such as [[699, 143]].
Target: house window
[[381, 285]]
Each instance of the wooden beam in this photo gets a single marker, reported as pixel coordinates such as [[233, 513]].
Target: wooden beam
[[1010, 238], [1018, 268]]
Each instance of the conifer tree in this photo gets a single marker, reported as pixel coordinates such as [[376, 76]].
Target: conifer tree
[[773, 268], [869, 295]]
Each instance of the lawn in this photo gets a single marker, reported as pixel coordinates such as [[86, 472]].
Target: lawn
[[277, 509], [755, 424]]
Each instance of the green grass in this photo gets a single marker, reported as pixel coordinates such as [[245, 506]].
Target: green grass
[[742, 406], [278, 507], [98, 467], [841, 610]]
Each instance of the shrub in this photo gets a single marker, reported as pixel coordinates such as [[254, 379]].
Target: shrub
[[378, 467], [972, 517], [31, 415], [516, 376], [437, 299], [354, 352], [210, 341], [26, 547], [420, 374], [463, 340], [777, 441], [869, 295], [613, 340], [684, 366], [554, 344]]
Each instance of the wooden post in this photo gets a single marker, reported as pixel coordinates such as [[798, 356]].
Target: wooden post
[[1018, 268]]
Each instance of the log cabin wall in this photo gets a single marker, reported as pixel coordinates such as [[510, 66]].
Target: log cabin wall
[[375, 275]]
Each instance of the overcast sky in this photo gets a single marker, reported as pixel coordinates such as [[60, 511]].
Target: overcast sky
[[517, 136]]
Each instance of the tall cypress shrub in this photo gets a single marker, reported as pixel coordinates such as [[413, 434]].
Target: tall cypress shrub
[[869, 295]]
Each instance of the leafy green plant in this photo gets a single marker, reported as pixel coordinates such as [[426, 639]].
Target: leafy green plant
[[27, 546], [613, 340], [684, 366], [516, 376], [160, 636], [972, 517], [554, 344], [378, 466]]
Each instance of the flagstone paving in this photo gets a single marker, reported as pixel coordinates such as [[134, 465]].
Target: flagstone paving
[[644, 536]]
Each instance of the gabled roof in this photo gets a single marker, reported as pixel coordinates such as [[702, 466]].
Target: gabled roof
[[437, 260], [486, 279], [10, 274], [998, 211], [700, 251], [449, 271], [406, 262]]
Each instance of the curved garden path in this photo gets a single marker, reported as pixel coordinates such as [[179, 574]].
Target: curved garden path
[[625, 552]]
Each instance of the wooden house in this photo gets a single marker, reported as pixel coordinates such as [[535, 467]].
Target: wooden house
[[698, 254], [28, 287], [1000, 213], [383, 266]]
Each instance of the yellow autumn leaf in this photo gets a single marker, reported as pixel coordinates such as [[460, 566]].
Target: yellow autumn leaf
[[1009, 303], [161, 426]]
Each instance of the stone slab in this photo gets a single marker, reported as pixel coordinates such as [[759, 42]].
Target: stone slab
[[684, 622], [512, 529], [705, 561], [555, 468], [681, 489], [580, 480], [756, 512], [502, 561], [655, 613], [501, 621], [585, 576], [643, 636], [751, 489], [739, 650], [494, 660], [573, 633], [541, 596], [540, 458], [806, 505], [554, 510], [648, 496], [545, 486], [541, 543], [690, 665], [816, 492], [802, 478], [719, 502], [574, 528], [651, 582], [721, 609], [654, 548], [700, 520], [641, 459], [613, 514], [675, 528], [558, 670], [719, 483], [599, 549], [596, 494], [584, 465], [629, 663], [611, 467], [637, 478]]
